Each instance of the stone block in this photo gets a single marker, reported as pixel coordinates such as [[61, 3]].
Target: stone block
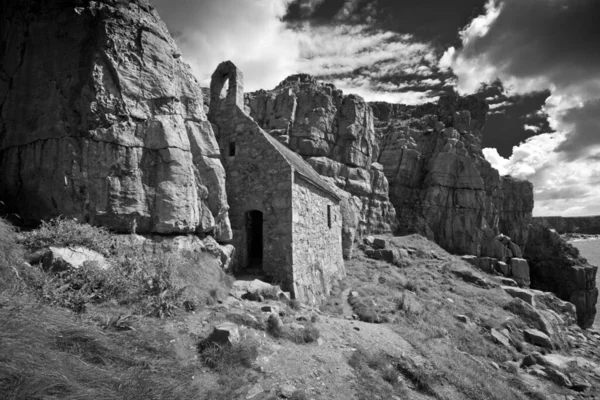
[[379, 243], [520, 271], [502, 268], [515, 249], [527, 296]]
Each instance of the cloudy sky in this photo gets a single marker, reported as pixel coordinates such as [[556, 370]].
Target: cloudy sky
[[536, 62]]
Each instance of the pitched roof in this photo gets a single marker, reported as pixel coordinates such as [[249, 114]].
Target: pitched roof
[[301, 167]]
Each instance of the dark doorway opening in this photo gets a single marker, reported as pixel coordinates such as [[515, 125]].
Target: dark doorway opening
[[254, 240]]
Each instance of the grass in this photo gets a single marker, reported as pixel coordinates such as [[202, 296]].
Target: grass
[[377, 375], [159, 283], [90, 333], [46, 353], [308, 334], [414, 299], [232, 362], [69, 232]]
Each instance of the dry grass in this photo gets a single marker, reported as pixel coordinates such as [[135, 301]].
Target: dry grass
[[46, 353], [232, 362], [113, 351]]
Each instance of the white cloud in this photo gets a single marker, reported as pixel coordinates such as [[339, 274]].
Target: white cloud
[[253, 36], [533, 128], [249, 33], [517, 41]]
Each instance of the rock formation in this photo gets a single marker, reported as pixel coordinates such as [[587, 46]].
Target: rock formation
[[583, 225], [440, 183], [335, 134], [103, 121], [556, 266]]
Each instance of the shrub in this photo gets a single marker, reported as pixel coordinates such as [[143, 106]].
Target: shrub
[[69, 232], [225, 357], [47, 354]]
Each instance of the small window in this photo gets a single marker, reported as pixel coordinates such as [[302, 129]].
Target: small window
[[231, 149], [329, 216]]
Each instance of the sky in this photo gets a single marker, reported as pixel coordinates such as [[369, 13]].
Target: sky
[[535, 62]]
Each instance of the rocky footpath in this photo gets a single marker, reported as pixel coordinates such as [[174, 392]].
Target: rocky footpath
[[103, 121], [335, 134], [576, 225], [440, 183]]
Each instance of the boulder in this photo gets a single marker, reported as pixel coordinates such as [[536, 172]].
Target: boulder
[[520, 271], [527, 296], [470, 277], [224, 333], [104, 121], [63, 258], [501, 338], [538, 338], [379, 243]]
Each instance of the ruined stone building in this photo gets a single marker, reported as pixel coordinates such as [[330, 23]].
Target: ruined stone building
[[286, 219]]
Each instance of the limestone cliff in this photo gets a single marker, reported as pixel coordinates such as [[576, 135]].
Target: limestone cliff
[[103, 121], [440, 183], [335, 134]]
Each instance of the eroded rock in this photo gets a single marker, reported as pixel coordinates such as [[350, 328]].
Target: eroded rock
[[103, 121]]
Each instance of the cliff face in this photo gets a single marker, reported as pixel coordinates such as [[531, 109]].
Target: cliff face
[[440, 183], [102, 120], [557, 267], [585, 225], [335, 134]]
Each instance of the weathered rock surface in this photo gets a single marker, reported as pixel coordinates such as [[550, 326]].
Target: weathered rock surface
[[584, 225], [335, 134], [103, 121], [556, 266], [440, 183], [63, 258]]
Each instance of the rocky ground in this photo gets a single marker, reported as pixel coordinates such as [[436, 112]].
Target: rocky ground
[[436, 329], [145, 320]]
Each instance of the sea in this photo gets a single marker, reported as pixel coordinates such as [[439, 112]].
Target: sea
[[590, 249]]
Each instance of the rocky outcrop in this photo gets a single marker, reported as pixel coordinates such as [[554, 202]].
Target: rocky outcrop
[[103, 121], [557, 267], [583, 225], [440, 183], [335, 134]]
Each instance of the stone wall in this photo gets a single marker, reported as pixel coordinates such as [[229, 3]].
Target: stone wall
[[102, 120], [317, 246], [260, 178], [334, 133]]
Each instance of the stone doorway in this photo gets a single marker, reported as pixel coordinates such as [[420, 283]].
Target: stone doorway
[[254, 242]]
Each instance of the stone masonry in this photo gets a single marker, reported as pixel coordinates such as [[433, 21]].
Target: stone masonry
[[286, 219]]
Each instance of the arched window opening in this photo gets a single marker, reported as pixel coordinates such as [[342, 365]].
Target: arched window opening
[[224, 89]]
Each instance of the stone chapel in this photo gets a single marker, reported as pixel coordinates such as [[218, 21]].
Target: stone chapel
[[285, 218]]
